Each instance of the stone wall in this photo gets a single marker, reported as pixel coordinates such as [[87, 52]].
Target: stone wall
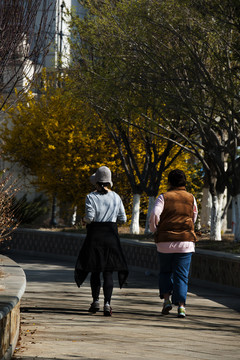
[[216, 267]]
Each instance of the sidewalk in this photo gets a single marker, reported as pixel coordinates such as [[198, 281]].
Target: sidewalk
[[56, 324]]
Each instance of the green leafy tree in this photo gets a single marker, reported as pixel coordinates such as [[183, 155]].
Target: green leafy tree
[[101, 75], [175, 63]]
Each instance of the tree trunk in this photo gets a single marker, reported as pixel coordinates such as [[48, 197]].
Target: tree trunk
[[216, 217], [134, 227], [53, 220], [206, 209], [236, 217], [151, 201], [224, 212], [74, 216]]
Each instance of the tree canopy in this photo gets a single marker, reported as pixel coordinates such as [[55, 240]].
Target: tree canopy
[[106, 73], [56, 139], [173, 63], [59, 140]]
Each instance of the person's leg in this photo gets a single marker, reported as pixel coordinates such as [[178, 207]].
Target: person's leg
[[107, 291], [165, 275], [180, 280], [107, 286], [95, 283], [165, 281]]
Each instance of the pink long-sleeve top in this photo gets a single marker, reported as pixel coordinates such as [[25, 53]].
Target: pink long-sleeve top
[[172, 246]]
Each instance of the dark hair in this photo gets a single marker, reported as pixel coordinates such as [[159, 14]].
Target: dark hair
[[101, 187], [177, 178]]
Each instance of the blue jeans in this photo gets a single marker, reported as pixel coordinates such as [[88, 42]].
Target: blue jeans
[[173, 275]]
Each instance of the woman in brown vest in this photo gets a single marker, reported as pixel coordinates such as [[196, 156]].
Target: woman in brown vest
[[172, 222]]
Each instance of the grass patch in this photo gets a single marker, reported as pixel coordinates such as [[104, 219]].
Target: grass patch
[[224, 245]]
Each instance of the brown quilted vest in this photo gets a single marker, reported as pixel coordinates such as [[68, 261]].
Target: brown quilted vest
[[176, 220]]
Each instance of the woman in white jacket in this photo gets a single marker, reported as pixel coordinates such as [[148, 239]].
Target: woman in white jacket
[[102, 251]]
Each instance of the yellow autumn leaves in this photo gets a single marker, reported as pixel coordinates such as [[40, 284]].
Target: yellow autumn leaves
[[61, 141]]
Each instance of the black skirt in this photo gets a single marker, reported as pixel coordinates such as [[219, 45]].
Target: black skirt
[[101, 251]]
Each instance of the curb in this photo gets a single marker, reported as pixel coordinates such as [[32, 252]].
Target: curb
[[13, 284]]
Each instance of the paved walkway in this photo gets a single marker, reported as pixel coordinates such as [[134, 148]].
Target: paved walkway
[[56, 325]]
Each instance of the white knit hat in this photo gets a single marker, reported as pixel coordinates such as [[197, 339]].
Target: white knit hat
[[102, 175]]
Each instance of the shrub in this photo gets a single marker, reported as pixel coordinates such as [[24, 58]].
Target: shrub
[[28, 211], [8, 220]]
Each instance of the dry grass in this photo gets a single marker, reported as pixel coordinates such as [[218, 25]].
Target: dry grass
[[227, 244]]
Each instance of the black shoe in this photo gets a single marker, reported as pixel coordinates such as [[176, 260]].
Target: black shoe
[[95, 307], [167, 306], [107, 310]]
